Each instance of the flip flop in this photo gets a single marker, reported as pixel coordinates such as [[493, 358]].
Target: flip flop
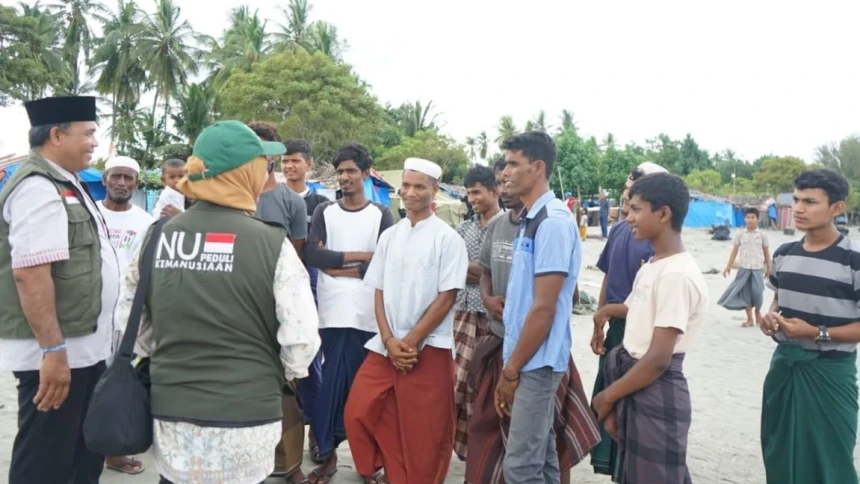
[[321, 477], [377, 478], [314, 450], [128, 464]]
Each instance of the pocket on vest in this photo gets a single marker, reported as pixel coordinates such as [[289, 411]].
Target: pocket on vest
[[74, 278]]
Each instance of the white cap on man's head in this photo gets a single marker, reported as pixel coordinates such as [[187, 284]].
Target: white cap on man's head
[[122, 162], [649, 167], [423, 166]]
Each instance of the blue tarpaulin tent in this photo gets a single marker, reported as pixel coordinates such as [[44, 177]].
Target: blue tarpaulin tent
[[707, 213]]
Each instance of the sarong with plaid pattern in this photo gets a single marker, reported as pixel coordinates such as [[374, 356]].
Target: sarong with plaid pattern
[[575, 427], [468, 327], [652, 424]]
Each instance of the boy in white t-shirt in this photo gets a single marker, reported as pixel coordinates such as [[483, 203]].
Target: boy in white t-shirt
[[646, 403], [170, 201]]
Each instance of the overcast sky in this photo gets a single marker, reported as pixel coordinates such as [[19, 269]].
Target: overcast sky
[[754, 76]]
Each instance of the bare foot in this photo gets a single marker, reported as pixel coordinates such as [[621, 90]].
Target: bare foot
[[297, 477], [747, 324]]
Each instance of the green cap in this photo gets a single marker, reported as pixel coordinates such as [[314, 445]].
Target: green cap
[[230, 144]]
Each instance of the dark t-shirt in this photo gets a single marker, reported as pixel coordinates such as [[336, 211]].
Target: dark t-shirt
[[283, 206], [312, 200], [621, 259]]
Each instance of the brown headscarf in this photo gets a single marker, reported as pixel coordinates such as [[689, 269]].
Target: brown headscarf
[[238, 188]]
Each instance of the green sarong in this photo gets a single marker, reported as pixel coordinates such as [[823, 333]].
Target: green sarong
[[809, 417], [604, 455]]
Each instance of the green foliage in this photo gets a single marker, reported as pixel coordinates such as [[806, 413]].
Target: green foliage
[[577, 160], [703, 180], [777, 174], [427, 144], [30, 65], [308, 96], [616, 166]]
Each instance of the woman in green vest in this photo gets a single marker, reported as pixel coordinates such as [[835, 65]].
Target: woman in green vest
[[231, 318]]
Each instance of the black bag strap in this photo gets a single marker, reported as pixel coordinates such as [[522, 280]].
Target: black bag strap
[[126, 347]]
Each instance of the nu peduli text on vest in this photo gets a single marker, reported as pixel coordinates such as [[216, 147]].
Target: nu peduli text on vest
[[195, 251]]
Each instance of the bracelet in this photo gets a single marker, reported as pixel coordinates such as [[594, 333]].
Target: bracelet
[[509, 379], [59, 347], [385, 342]]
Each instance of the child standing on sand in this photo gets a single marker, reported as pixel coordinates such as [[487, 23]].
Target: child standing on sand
[[583, 224], [646, 403], [753, 256]]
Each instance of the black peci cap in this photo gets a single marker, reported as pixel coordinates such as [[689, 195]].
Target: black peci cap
[[57, 110]]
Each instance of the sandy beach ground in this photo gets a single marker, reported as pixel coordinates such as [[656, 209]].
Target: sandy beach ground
[[725, 369]]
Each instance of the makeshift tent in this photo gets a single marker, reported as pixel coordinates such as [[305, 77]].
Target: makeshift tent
[[447, 208], [707, 213]]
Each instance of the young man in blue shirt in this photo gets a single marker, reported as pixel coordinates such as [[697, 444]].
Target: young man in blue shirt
[[536, 350]]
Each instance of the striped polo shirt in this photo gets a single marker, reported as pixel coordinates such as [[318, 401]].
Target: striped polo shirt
[[821, 288]]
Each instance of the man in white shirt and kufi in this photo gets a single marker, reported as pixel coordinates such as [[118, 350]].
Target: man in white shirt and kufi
[[400, 410]]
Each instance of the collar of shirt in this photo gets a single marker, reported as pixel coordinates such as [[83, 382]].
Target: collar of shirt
[[539, 204]]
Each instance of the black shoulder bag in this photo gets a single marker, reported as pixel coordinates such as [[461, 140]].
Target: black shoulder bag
[[119, 418]]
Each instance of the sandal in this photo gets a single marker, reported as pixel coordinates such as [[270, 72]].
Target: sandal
[[319, 477], [314, 450], [129, 465], [377, 478]]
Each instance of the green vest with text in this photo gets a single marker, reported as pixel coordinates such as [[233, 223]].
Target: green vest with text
[[77, 280], [216, 355]]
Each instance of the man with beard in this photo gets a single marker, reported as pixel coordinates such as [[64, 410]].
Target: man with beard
[[59, 283], [620, 261], [400, 412], [575, 426], [343, 237], [470, 318], [127, 225]]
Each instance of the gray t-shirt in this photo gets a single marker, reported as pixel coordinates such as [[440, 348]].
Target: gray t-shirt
[[497, 252], [283, 206]]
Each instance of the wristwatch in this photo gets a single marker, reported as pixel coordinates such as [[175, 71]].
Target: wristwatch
[[823, 335]]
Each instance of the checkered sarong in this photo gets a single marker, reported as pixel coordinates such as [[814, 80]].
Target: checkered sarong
[[468, 327]]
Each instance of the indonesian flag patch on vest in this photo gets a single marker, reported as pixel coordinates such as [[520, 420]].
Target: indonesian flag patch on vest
[[70, 197], [219, 243]]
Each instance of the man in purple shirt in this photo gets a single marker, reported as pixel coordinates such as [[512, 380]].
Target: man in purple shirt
[[620, 260]]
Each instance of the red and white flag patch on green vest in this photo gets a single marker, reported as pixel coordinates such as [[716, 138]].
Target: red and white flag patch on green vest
[[219, 243], [71, 198]]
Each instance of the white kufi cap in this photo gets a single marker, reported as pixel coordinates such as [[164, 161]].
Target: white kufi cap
[[423, 166], [649, 168], [122, 162]]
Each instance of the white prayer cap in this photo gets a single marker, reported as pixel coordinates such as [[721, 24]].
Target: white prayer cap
[[423, 166], [122, 162], [649, 168]]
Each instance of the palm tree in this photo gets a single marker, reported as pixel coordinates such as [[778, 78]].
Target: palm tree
[[244, 43], [567, 122], [609, 142], [195, 111], [117, 59], [471, 143], [295, 32], [45, 49], [167, 54], [507, 128], [539, 123], [78, 37], [322, 37], [416, 117], [482, 145]]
